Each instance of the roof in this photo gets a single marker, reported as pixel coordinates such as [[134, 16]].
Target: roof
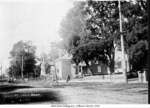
[[65, 57]]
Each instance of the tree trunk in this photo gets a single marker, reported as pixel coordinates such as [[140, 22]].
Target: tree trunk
[[88, 67], [112, 62], [112, 66], [77, 68]]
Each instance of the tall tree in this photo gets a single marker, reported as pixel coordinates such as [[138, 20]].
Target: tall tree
[[102, 27], [72, 26], [23, 59], [101, 32], [102, 24], [135, 33]]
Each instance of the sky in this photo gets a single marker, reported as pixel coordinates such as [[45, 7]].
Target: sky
[[35, 20]]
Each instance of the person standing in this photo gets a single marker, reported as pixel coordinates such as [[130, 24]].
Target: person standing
[[68, 78]]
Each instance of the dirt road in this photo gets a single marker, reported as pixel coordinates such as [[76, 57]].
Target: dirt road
[[83, 93], [104, 93]]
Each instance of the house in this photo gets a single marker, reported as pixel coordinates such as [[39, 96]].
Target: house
[[98, 68], [64, 67]]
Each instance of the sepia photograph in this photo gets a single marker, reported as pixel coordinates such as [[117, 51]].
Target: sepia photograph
[[73, 52]]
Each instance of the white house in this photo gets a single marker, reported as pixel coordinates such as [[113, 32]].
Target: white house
[[64, 67]]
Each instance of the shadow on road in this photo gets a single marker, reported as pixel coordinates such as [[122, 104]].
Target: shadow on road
[[35, 96], [8, 88]]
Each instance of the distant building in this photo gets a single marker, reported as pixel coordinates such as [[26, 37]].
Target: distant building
[[98, 68], [64, 67]]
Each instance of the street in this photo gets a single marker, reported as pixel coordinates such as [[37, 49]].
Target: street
[[76, 93]]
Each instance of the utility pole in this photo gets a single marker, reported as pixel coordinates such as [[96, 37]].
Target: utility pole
[[122, 43], [148, 60], [22, 66], [28, 57], [1, 71]]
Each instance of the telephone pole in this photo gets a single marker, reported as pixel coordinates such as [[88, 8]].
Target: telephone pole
[[148, 61], [122, 43], [22, 66], [1, 71]]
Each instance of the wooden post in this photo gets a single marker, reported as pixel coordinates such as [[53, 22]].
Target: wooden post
[[22, 67]]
